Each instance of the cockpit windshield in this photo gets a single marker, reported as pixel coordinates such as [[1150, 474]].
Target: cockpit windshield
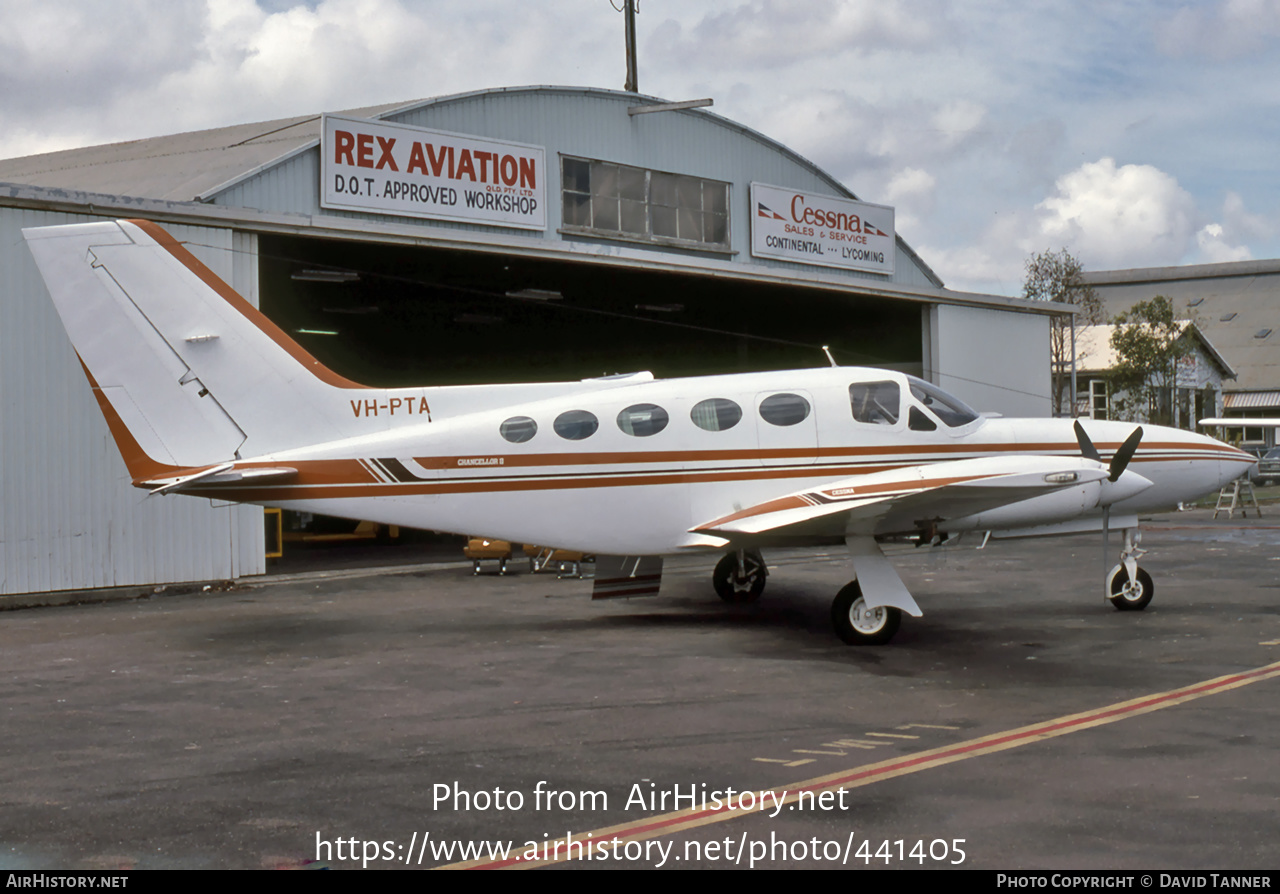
[[950, 410]]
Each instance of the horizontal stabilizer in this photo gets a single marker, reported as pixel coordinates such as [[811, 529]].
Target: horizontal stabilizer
[[226, 473]]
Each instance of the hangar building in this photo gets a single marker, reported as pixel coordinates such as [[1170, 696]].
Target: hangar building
[[534, 233], [1237, 306]]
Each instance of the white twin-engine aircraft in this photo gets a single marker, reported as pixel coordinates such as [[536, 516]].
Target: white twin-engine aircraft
[[207, 397]]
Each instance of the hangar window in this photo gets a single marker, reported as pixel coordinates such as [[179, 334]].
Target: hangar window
[[716, 414], [643, 420], [518, 429], [574, 425], [624, 202], [784, 409], [875, 403]]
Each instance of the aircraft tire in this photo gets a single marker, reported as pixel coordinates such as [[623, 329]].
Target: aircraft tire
[[1130, 596], [738, 589], [859, 626]]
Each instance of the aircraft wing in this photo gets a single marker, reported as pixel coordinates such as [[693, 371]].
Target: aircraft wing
[[904, 500]]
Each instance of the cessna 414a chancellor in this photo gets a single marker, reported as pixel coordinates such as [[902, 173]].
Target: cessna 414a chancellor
[[205, 396]]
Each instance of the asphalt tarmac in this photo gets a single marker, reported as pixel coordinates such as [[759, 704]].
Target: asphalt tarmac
[[420, 716]]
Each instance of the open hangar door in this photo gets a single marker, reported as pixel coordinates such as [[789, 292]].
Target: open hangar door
[[389, 315]]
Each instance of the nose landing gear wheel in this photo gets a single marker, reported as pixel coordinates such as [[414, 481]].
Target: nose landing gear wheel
[[859, 625], [1129, 595], [737, 584]]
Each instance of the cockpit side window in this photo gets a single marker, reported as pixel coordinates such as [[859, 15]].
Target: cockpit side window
[[951, 410], [875, 403], [919, 421]]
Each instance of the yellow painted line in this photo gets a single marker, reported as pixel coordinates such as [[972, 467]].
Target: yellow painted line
[[892, 736], [612, 837], [1271, 642]]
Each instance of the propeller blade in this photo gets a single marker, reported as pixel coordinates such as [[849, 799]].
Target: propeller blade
[[1087, 450], [1122, 456]]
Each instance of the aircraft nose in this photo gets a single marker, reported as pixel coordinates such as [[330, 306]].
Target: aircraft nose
[[1232, 462]]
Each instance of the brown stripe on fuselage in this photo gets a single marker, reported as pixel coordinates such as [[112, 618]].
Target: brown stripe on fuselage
[[341, 479], [510, 460]]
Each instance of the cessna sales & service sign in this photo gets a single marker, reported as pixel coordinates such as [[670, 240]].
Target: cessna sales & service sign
[[810, 228], [379, 167]]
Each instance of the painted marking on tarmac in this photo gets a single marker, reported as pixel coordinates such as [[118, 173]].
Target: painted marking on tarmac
[[612, 837]]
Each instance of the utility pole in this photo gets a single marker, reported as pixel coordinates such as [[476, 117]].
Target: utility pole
[[632, 85]]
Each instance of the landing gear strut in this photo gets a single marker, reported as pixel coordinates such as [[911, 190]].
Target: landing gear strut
[[739, 576], [1129, 588]]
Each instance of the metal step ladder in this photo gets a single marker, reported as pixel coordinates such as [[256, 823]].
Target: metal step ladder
[[1237, 495]]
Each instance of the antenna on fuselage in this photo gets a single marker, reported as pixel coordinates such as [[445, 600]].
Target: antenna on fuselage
[[826, 350]]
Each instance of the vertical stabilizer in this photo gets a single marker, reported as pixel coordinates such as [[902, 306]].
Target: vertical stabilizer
[[193, 372]]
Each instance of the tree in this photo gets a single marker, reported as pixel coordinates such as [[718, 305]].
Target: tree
[[1058, 276], [1148, 342]]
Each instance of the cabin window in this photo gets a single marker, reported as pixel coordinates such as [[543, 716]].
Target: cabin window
[[784, 409], [600, 198], [575, 425], [875, 403], [716, 414], [518, 429], [643, 420], [950, 410]]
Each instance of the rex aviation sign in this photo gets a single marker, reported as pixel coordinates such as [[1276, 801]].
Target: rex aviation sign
[[810, 228], [385, 168]]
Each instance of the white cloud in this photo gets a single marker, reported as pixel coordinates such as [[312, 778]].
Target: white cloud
[[1127, 216], [910, 183], [1215, 249], [75, 73], [1239, 221]]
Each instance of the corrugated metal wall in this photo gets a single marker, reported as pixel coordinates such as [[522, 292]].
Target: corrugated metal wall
[[589, 125], [69, 518]]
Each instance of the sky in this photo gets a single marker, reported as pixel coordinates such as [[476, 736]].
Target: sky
[[1133, 133]]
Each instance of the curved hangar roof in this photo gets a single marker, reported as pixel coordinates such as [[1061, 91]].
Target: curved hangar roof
[[592, 142]]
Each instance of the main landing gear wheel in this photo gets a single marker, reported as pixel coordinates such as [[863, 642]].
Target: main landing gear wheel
[[859, 625], [1129, 595], [739, 584]]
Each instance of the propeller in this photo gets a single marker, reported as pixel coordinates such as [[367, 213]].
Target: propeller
[[1087, 450], [1122, 456], [1119, 460]]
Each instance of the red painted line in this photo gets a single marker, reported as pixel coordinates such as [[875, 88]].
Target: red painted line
[[946, 754]]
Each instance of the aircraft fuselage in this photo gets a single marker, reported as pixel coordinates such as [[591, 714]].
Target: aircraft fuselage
[[633, 468]]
